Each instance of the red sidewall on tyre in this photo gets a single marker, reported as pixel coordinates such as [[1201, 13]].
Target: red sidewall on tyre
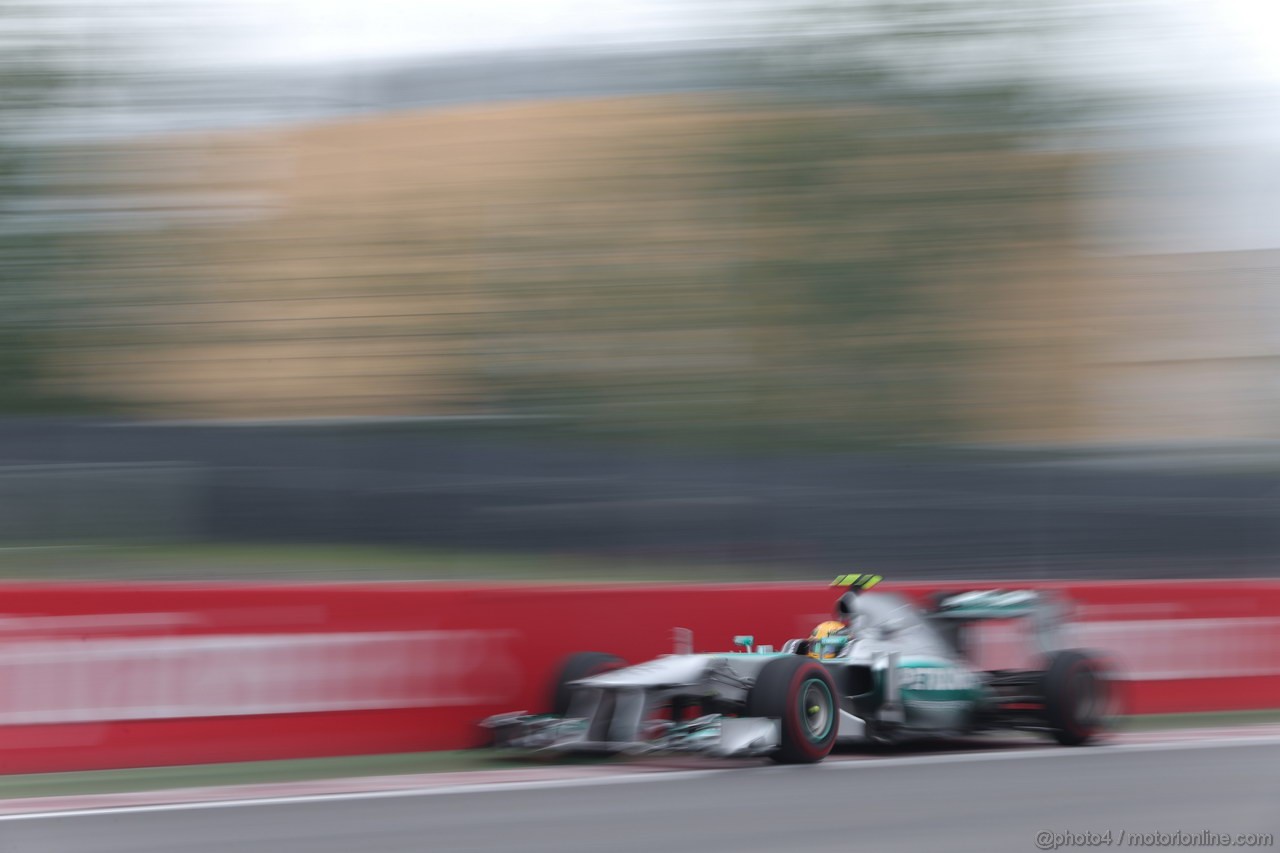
[[794, 723], [779, 693]]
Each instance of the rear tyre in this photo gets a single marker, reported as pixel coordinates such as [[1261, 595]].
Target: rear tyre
[[580, 665], [1078, 697], [801, 694]]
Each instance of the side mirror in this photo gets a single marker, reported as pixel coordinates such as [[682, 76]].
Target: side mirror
[[744, 641]]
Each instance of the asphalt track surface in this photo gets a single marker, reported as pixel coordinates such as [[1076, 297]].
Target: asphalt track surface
[[990, 801]]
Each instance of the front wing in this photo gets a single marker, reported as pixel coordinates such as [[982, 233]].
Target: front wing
[[711, 734]]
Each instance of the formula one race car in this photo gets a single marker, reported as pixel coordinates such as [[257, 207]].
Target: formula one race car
[[882, 671]]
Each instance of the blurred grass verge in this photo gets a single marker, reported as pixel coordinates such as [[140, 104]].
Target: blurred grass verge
[[310, 769], [214, 562], [1146, 722], [250, 772]]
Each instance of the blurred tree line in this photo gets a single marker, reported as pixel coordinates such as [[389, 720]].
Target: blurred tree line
[[804, 261], [43, 71], [882, 161], [29, 78]]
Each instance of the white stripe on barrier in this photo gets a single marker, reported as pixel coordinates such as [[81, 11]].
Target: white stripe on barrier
[[141, 678], [64, 679], [1152, 649]]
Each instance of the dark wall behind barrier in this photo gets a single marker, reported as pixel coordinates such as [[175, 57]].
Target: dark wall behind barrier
[[470, 486]]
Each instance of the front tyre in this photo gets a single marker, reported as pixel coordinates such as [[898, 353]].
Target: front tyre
[[800, 693], [576, 666]]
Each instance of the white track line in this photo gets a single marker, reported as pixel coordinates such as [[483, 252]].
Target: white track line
[[371, 795], [1052, 752], [675, 775]]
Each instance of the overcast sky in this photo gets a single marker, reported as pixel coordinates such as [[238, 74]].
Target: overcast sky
[[290, 31], [1184, 46], [1241, 38]]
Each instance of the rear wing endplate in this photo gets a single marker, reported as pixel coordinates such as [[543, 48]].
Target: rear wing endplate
[[989, 604]]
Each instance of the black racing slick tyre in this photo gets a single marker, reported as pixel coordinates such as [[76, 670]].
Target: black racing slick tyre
[[1078, 697], [580, 665], [800, 693]]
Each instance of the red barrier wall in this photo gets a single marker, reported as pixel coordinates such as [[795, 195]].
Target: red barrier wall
[[115, 675]]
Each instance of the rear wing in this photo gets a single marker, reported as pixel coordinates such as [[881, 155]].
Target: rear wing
[[988, 604], [953, 611]]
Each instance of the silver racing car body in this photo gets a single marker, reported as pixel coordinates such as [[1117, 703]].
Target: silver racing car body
[[893, 673]]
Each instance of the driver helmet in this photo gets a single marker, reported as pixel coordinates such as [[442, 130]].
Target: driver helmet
[[821, 632]]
